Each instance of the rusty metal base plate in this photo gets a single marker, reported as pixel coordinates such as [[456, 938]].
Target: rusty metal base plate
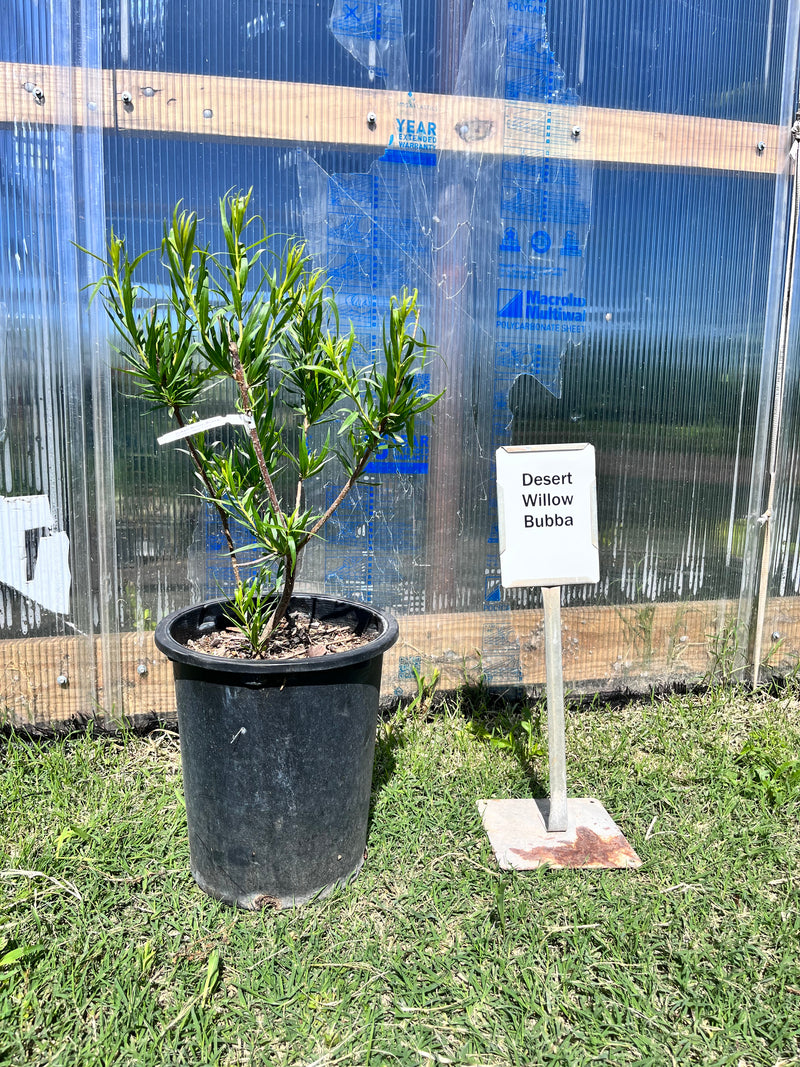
[[520, 839]]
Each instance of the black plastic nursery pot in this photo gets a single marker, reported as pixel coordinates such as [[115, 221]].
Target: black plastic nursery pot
[[277, 756]]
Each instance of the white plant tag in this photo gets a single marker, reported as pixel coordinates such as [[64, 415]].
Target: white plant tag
[[207, 424]]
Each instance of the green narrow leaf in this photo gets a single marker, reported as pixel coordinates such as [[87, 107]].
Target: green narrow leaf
[[8, 959], [213, 976]]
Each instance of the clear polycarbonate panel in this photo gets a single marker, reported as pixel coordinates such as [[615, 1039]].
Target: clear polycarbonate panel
[[661, 277], [27, 35], [360, 43], [591, 201], [716, 58], [52, 531]]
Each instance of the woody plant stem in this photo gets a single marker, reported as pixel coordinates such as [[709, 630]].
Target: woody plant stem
[[288, 569]]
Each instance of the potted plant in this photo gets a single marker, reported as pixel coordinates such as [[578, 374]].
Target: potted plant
[[277, 691]]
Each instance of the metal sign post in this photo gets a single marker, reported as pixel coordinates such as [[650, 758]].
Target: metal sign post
[[556, 742], [547, 514]]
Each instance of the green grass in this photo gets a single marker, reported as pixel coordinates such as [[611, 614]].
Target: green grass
[[109, 954]]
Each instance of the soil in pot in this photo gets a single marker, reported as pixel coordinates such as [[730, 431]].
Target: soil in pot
[[296, 636]]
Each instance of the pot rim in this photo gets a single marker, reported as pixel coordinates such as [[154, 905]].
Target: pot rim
[[174, 650]]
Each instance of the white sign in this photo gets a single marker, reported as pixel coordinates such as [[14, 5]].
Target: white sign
[[547, 509]]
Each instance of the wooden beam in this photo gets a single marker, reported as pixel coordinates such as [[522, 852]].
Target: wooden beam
[[151, 103], [612, 648], [34, 94], [605, 649], [46, 680]]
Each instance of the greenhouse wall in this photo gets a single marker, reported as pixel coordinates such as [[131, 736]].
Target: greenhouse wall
[[597, 205]]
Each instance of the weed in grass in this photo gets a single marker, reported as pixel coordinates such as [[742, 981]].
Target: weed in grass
[[422, 700], [505, 727], [520, 734], [725, 663], [769, 773]]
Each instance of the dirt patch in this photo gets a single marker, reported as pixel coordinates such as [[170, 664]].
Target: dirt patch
[[298, 636]]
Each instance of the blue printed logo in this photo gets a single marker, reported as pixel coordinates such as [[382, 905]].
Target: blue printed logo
[[535, 305], [510, 242], [493, 590], [509, 303]]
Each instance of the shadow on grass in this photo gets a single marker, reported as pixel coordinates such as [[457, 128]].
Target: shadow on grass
[[503, 719], [508, 722], [390, 738]]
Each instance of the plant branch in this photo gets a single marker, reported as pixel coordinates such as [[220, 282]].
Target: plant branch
[[241, 382], [351, 481], [299, 494], [285, 598], [289, 565]]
